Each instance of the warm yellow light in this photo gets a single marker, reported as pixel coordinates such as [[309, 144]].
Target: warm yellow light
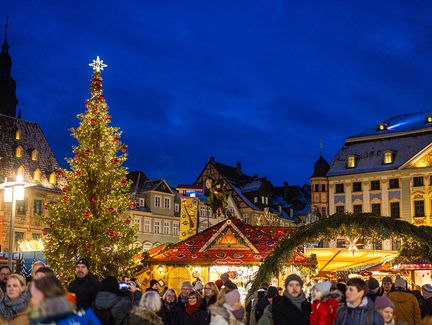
[[52, 178], [35, 155], [8, 194], [429, 119], [351, 161], [18, 152], [18, 135], [388, 157], [36, 175], [19, 192], [19, 178]]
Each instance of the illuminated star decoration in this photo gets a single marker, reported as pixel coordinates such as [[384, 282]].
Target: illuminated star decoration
[[98, 64], [352, 245]]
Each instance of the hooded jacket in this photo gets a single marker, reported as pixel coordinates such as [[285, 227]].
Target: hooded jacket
[[406, 307], [119, 307], [363, 314], [324, 310]]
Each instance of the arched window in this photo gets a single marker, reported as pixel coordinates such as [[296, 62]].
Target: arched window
[[35, 154], [18, 134], [52, 178], [18, 152], [20, 170], [37, 175]]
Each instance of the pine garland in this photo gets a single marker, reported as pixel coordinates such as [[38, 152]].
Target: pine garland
[[360, 225]]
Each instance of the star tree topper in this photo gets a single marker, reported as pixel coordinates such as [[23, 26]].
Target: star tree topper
[[98, 64]]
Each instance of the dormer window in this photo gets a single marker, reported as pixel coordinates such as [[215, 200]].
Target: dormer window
[[35, 155], [429, 119], [388, 157], [352, 161], [18, 134], [52, 178], [37, 175], [20, 170], [18, 152]]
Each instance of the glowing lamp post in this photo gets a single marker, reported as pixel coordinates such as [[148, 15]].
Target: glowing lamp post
[[13, 191]]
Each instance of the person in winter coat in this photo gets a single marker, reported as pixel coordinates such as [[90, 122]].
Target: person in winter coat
[[51, 306], [211, 292], [267, 317], [374, 289], [185, 290], [359, 310], [251, 303], [292, 308], [227, 310], [426, 309], [171, 310], [324, 306], [146, 311], [387, 285], [14, 305], [110, 306], [85, 286], [406, 305], [193, 313], [386, 308]]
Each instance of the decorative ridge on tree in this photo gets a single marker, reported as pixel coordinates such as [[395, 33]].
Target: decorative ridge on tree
[[90, 220]]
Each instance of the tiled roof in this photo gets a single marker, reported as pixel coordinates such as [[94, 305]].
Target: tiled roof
[[232, 173], [31, 138], [193, 251]]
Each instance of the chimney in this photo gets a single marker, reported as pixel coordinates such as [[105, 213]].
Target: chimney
[[238, 167]]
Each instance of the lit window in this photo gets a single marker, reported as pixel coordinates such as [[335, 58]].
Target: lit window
[[52, 178], [20, 170], [18, 134], [37, 175], [429, 119], [18, 152], [388, 157], [35, 154], [351, 163]]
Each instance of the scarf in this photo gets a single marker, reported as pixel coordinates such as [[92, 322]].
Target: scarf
[[10, 308], [296, 301], [190, 309]]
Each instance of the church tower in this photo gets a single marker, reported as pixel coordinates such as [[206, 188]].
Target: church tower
[[8, 99], [319, 187]]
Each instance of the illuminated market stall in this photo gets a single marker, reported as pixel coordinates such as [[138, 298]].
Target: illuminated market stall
[[230, 246]]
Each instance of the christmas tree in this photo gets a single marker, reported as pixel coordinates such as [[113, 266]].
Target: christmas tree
[[89, 220]]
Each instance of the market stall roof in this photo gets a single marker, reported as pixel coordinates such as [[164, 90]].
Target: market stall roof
[[230, 242], [415, 265]]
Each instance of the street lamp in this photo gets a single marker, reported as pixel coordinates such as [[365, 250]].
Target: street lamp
[[13, 191]]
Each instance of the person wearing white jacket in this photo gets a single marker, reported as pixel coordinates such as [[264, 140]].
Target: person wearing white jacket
[[227, 310]]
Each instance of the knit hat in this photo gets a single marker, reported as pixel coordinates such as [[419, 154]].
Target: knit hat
[[427, 290], [400, 282], [272, 292], [110, 284], [187, 284], [373, 284], [293, 277], [219, 283], [323, 287], [152, 283], [83, 261], [382, 302], [387, 279], [232, 297]]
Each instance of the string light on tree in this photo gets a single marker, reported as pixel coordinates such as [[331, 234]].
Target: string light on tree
[[90, 219]]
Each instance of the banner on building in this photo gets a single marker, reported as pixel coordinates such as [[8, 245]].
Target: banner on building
[[188, 217]]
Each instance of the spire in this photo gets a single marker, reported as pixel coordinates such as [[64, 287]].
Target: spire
[[5, 45], [8, 99]]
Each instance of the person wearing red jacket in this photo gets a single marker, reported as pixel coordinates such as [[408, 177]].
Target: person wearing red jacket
[[324, 305]]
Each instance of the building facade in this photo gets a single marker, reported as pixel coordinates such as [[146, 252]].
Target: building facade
[[385, 170], [23, 151], [156, 214]]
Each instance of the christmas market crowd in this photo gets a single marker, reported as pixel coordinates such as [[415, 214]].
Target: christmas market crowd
[[42, 299]]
